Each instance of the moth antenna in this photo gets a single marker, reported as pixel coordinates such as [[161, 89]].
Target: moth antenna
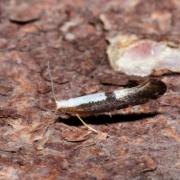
[[52, 84]]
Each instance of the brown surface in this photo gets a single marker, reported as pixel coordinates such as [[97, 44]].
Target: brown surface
[[143, 143]]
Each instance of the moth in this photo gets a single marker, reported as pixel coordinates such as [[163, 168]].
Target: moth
[[106, 102], [101, 102]]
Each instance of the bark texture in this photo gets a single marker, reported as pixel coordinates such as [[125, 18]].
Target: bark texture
[[36, 143]]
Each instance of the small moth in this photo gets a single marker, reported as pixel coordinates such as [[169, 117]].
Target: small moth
[[100, 102], [105, 102]]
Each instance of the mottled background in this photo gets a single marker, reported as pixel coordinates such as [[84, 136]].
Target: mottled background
[[36, 143]]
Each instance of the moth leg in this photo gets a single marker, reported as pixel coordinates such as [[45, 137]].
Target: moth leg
[[110, 115], [86, 125]]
